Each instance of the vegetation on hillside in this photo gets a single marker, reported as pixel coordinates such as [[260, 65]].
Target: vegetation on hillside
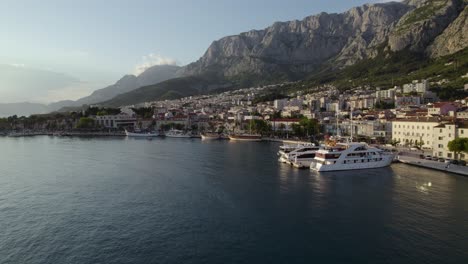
[[390, 69]]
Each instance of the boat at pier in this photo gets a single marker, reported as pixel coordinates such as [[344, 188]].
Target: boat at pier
[[350, 156], [141, 134], [245, 137], [210, 136], [175, 133]]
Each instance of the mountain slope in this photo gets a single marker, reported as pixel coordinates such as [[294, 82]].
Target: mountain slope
[[304, 45], [152, 75], [453, 39], [322, 45], [170, 89]]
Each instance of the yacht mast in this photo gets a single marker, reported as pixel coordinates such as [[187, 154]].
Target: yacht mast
[[351, 120], [337, 117]]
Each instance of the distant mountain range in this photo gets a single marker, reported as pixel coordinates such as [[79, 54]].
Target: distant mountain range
[[127, 83], [298, 49]]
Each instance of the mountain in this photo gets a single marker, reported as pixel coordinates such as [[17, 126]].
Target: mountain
[[127, 83], [171, 89], [293, 50], [22, 109]]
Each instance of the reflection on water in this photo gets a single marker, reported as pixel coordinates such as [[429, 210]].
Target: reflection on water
[[87, 200]]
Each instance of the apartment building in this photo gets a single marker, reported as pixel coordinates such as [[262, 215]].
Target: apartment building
[[411, 132], [443, 134]]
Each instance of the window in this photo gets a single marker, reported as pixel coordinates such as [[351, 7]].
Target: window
[[461, 131], [449, 155], [441, 146]]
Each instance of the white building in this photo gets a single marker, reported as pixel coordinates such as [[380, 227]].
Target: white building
[[116, 121], [279, 104], [411, 132], [445, 133]]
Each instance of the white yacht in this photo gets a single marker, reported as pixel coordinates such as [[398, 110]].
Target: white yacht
[[141, 134], [289, 157], [286, 148], [350, 156], [174, 133]]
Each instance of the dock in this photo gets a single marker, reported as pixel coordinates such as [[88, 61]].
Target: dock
[[434, 165]]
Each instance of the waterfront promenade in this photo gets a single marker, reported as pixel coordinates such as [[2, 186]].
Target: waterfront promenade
[[434, 165]]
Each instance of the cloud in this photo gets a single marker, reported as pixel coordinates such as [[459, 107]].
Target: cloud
[[18, 65], [152, 60]]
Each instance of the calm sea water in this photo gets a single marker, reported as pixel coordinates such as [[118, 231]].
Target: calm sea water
[[75, 200]]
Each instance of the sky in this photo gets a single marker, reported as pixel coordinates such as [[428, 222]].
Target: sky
[[89, 44]]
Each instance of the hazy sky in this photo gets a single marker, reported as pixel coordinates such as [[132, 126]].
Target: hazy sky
[[94, 42]]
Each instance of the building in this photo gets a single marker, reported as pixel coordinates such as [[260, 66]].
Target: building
[[411, 132], [283, 124], [279, 104], [403, 101], [116, 121], [443, 134], [442, 108]]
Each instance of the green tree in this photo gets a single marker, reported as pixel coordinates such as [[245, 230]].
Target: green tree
[[85, 122], [458, 145], [310, 126]]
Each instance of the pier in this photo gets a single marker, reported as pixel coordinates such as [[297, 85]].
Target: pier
[[434, 165]]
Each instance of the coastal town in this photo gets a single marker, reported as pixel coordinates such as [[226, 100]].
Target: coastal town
[[410, 117]]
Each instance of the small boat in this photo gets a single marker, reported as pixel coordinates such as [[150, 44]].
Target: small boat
[[350, 156], [245, 137], [141, 134], [210, 136], [174, 133]]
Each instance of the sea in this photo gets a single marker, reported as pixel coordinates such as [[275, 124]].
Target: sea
[[170, 200]]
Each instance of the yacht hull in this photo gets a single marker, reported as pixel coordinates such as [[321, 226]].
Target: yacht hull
[[245, 138], [386, 161], [141, 135]]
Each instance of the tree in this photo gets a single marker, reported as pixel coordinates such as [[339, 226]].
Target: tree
[[310, 126], [458, 145], [394, 142], [85, 122]]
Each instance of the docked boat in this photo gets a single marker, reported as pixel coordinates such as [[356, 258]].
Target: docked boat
[[350, 156], [245, 137], [210, 136], [175, 133], [286, 148], [302, 151], [141, 134]]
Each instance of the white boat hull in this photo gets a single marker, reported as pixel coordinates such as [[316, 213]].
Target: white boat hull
[[386, 161], [204, 137], [178, 136], [244, 139], [302, 163], [131, 134]]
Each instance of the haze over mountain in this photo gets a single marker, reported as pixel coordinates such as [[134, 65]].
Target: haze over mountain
[[151, 75], [295, 49]]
